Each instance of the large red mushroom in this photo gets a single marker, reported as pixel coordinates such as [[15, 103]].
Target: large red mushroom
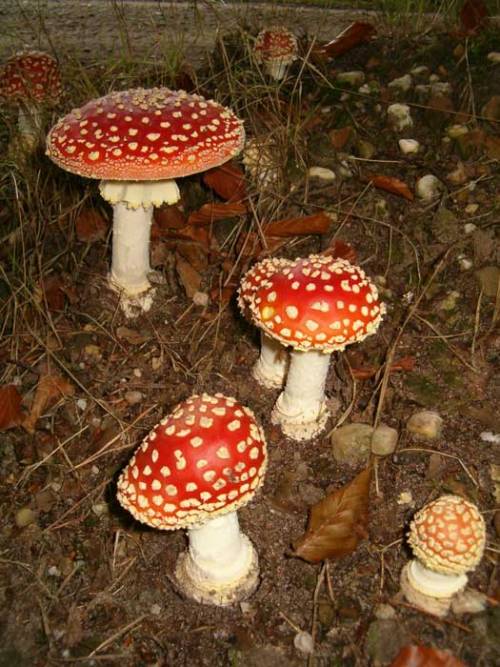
[[316, 305], [194, 470], [138, 141]]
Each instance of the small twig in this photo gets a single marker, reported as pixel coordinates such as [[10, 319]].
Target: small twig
[[117, 634]]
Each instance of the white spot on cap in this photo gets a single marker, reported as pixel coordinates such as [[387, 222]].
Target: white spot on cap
[[234, 425], [223, 453], [146, 470], [154, 454], [191, 486], [292, 312], [156, 485], [254, 453], [272, 296], [312, 325], [201, 463], [206, 422], [196, 441], [165, 471], [171, 490]]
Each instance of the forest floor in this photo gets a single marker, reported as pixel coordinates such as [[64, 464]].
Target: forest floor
[[80, 581]]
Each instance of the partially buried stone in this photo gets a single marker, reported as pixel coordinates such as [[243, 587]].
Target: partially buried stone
[[352, 443], [425, 424], [384, 440]]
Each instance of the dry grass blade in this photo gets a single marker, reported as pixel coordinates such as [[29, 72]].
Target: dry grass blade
[[338, 522]]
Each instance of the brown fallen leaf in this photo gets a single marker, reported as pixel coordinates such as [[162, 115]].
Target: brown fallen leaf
[[338, 522], [209, 213], [319, 223], [367, 372], [228, 181], [189, 277], [473, 16], [131, 336], [166, 218], [50, 388], [355, 34], [340, 136], [423, 656], [339, 249], [91, 226], [10, 407], [53, 292], [392, 185]]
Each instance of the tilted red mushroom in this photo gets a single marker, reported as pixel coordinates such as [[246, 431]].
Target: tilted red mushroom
[[275, 48], [138, 141], [447, 537], [30, 80], [271, 366], [194, 470], [317, 305]]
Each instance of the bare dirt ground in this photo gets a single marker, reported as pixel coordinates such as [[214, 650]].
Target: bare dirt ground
[[80, 581]]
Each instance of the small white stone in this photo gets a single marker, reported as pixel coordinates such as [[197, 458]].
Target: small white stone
[[470, 209], [440, 87], [494, 57], [384, 612], [428, 187], [94, 470], [425, 424], [304, 642], [465, 263], [409, 146], [455, 131], [354, 78], [489, 436], [53, 571], [200, 299], [321, 173], [137, 372], [469, 227], [100, 509], [81, 403], [155, 609], [399, 117], [384, 440], [133, 397], [403, 83], [434, 78], [24, 517], [420, 70], [405, 498]]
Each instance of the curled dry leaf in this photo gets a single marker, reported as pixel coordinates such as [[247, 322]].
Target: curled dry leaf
[[423, 656], [50, 389], [319, 223], [91, 225], [339, 249], [338, 522], [367, 372], [10, 407], [228, 181], [189, 277], [392, 185], [355, 34], [53, 292], [473, 16], [166, 218], [209, 213]]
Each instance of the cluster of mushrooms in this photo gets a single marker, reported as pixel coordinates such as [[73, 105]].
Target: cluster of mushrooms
[[208, 457]]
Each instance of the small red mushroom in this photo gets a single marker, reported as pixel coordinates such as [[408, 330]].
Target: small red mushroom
[[194, 470], [447, 537], [31, 80], [275, 48], [138, 141], [317, 305]]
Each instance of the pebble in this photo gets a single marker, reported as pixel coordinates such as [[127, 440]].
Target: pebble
[[449, 303], [399, 117], [455, 131], [489, 278], [405, 498], [133, 397], [155, 609], [470, 209], [425, 424], [321, 173], [488, 436], [384, 440], [494, 57], [409, 146], [24, 517], [403, 83], [469, 227], [304, 642], [420, 70], [200, 299], [137, 372], [82, 403], [428, 187], [100, 509], [384, 612], [352, 443], [354, 78], [468, 602], [465, 263]]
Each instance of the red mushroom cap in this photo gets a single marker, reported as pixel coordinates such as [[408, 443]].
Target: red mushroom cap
[[206, 458], [31, 76], [275, 43], [316, 303], [448, 535], [254, 278], [145, 134]]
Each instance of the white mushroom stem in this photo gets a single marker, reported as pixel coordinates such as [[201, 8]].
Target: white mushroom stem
[[300, 409], [434, 584], [271, 366], [220, 566], [29, 121], [130, 256], [276, 68]]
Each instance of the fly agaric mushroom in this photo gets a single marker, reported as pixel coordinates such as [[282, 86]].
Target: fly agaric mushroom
[[31, 80], [275, 48], [137, 142], [447, 537], [317, 305], [194, 470], [271, 366]]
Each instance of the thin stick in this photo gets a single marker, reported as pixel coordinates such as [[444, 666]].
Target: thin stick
[[117, 634]]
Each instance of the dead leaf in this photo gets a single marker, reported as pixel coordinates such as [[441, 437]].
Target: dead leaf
[[209, 213], [91, 226], [166, 218], [50, 389], [339, 249], [367, 372], [340, 136], [131, 336], [194, 254], [356, 33], [10, 407], [228, 181], [338, 522], [392, 185], [473, 16], [53, 291], [423, 656], [192, 233], [189, 277], [319, 223]]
